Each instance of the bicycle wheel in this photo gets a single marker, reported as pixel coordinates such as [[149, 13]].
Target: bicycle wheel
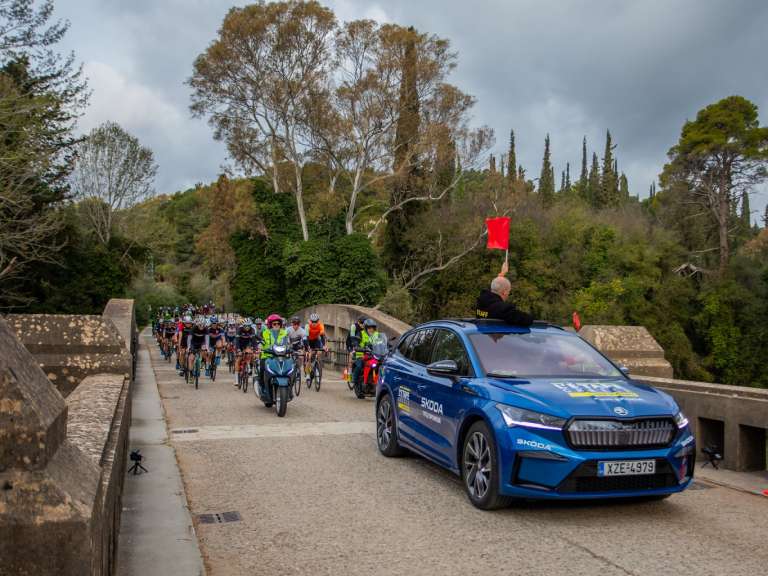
[[213, 370], [318, 375], [245, 375], [197, 370], [296, 377]]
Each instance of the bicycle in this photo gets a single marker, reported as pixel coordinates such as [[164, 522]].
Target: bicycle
[[246, 369], [315, 370], [231, 357], [214, 363], [197, 363], [297, 371]]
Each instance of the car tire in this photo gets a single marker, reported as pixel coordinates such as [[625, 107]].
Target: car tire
[[386, 428], [480, 469]]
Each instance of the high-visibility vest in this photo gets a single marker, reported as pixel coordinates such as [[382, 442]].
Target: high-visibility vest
[[267, 342]]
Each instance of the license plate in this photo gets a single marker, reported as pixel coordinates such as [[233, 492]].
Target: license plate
[[626, 467]]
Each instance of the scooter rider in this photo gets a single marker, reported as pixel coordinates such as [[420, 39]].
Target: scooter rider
[[273, 334], [369, 337]]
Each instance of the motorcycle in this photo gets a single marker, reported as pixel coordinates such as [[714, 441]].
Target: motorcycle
[[373, 356], [277, 388]]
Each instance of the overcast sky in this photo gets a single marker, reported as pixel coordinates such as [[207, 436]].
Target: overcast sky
[[568, 67]]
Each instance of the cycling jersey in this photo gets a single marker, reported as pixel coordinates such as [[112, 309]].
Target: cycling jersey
[[297, 337], [197, 338], [316, 335], [169, 330], [246, 338], [231, 333], [185, 333], [214, 335]]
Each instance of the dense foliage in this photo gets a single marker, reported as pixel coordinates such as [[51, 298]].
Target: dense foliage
[[375, 195]]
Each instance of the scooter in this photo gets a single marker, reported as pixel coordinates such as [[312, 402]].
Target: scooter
[[277, 389], [367, 387]]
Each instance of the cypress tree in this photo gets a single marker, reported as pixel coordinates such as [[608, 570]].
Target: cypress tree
[[765, 217], [608, 194], [512, 159], [394, 249], [593, 183], [746, 218], [584, 174], [562, 182], [492, 165], [623, 187], [547, 178]]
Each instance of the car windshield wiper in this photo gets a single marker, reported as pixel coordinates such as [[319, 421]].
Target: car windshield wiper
[[503, 374]]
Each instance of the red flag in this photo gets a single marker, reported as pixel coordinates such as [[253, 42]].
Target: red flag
[[498, 233], [576, 321]]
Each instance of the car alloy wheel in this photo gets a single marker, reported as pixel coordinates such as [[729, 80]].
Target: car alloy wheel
[[477, 465], [384, 423]]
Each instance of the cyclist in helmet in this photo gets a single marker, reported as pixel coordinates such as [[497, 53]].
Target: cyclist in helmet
[[353, 340], [258, 325], [196, 341], [215, 341], [297, 336], [182, 336], [246, 342], [315, 338]]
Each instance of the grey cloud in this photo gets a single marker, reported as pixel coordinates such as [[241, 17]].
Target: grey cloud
[[640, 68]]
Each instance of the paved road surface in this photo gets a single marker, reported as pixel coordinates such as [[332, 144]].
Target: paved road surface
[[315, 497]]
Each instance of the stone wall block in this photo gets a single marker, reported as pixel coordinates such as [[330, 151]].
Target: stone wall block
[[33, 415]]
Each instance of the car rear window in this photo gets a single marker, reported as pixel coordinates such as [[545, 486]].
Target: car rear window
[[531, 354]]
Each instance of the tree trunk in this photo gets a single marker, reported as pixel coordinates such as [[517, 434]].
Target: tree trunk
[[300, 202], [275, 180], [350, 220], [722, 225]]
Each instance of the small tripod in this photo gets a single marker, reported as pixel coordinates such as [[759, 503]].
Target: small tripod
[[136, 458], [713, 456]]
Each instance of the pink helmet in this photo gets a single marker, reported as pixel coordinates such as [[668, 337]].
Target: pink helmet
[[274, 318]]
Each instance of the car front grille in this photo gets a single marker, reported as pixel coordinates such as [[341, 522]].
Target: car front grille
[[618, 434], [585, 479]]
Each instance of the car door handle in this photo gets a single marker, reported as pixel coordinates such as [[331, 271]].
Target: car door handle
[[396, 378], [421, 386]]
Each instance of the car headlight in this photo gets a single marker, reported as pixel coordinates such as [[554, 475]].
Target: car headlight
[[529, 419], [681, 420]]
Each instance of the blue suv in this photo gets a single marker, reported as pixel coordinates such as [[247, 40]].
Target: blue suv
[[529, 413]]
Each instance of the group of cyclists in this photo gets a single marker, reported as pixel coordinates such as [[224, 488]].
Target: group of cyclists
[[199, 339]]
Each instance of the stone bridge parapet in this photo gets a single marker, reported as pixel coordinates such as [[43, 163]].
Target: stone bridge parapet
[[63, 460]]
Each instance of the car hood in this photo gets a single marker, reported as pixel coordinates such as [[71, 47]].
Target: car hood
[[600, 397]]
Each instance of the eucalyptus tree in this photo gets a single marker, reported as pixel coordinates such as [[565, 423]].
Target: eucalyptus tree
[[258, 82], [113, 172]]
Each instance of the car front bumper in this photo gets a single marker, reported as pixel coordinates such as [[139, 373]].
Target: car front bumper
[[540, 464]]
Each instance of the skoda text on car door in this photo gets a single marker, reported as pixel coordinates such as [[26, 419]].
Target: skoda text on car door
[[529, 412]]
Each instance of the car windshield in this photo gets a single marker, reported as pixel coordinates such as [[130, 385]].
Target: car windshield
[[533, 354]]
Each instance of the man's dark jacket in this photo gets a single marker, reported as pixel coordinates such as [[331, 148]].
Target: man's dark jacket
[[490, 305]]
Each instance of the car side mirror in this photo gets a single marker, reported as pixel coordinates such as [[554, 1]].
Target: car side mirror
[[624, 370], [444, 368]]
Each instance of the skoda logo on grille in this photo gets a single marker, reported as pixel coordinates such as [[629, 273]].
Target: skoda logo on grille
[[620, 411]]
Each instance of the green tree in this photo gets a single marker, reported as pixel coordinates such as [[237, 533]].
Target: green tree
[[512, 159], [406, 166], [608, 193], [623, 188], [593, 183], [720, 155], [547, 178]]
